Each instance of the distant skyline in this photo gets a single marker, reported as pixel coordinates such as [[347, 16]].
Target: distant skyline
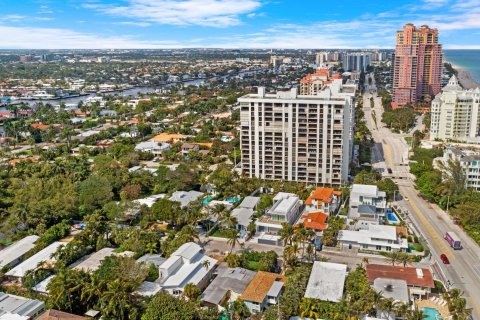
[[135, 24]]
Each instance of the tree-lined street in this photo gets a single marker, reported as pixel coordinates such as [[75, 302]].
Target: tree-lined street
[[391, 151]]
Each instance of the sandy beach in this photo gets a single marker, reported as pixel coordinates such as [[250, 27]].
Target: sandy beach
[[465, 78]]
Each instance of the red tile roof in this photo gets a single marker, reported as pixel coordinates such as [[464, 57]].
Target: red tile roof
[[52, 314], [261, 283], [39, 126], [315, 220], [321, 194], [409, 274]]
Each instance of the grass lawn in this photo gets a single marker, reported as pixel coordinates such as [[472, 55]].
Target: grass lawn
[[252, 265], [221, 233]]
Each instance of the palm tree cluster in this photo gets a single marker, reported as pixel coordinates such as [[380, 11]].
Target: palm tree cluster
[[457, 305], [298, 240]]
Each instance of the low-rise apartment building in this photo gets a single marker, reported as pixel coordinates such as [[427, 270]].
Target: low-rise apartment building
[[468, 159], [326, 200]]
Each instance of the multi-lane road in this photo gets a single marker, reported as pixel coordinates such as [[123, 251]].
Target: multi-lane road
[[391, 151]]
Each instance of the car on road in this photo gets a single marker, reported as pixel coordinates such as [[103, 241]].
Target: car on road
[[405, 198], [389, 171], [444, 258]]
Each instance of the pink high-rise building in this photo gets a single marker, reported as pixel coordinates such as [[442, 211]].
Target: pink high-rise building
[[417, 65]]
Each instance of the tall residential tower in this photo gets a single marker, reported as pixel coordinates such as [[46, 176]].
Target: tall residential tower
[[304, 138], [417, 65]]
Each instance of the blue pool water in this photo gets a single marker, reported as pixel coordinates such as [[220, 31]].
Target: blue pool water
[[233, 199], [206, 200], [432, 314], [391, 217]]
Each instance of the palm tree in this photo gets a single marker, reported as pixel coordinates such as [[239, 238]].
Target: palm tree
[[387, 305], [114, 301], [405, 258], [308, 309], [416, 315], [206, 264], [227, 218], [151, 248], [191, 291], [233, 236], [286, 233], [402, 310], [92, 290], [251, 229], [393, 257], [364, 261]]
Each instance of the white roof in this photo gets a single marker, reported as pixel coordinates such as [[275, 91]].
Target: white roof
[[284, 205], [41, 287], [17, 250], [13, 316], [384, 233], [188, 250], [149, 201], [365, 189], [326, 281], [249, 202], [152, 145], [189, 267], [148, 288], [185, 197], [283, 195], [32, 262], [93, 261], [243, 215]]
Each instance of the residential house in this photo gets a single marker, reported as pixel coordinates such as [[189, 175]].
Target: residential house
[[469, 161], [324, 199], [286, 207], [93, 261], [15, 307], [52, 314], [43, 256], [375, 238], [14, 254], [156, 148], [228, 285], [169, 137], [264, 290], [419, 280], [244, 213], [186, 265], [367, 205], [185, 197], [188, 147], [326, 281]]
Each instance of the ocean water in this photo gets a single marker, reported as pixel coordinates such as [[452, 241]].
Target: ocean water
[[467, 59]]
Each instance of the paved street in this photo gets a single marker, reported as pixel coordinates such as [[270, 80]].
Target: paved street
[[464, 269]]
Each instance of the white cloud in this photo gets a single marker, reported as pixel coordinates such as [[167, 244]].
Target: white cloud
[[212, 13], [53, 38]]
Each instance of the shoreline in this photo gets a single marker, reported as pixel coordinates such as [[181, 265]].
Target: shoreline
[[465, 77]]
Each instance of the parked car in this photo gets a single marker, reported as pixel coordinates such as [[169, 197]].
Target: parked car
[[444, 258]]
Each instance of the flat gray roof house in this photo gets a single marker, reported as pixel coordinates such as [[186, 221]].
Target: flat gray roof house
[[155, 259], [392, 288], [93, 261], [326, 281], [250, 202], [20, 306], [31, 263], [234, 280], [185, 197], [13, 254]]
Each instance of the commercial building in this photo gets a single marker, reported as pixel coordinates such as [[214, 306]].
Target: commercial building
[[264, 290], [419, 280], [356, 61], [14, 254], [417, 65], [468, 159], [304, 138], [374, 237], [455, 114], [326, 281]]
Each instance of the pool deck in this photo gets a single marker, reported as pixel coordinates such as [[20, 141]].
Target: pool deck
[[430, 304]]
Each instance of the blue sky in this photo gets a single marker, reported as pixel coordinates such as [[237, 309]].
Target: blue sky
[[56, 24]]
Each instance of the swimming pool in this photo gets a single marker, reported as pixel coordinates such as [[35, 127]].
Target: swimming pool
[[392, 218], [432, 314]]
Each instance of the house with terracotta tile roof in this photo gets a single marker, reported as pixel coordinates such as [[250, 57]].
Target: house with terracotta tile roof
[[169, 137], [52, 314], [264, 290], [419, 280], [324, 199], [316, 221], [39, 126]]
